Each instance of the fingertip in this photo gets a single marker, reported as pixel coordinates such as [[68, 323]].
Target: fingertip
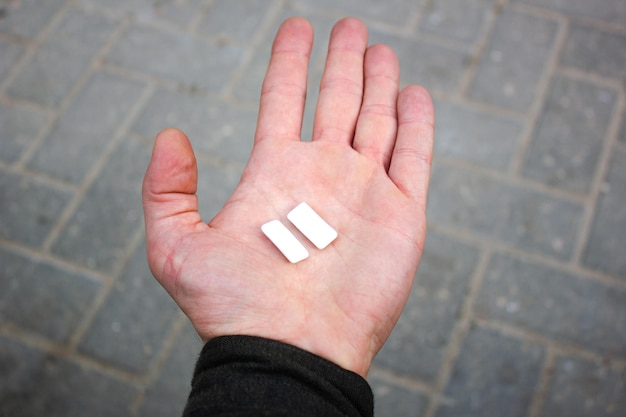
[[173, 165], [415, 105], [350, 24], [294, 31]]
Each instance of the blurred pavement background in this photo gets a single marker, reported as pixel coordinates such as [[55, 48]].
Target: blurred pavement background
[[519, 306]]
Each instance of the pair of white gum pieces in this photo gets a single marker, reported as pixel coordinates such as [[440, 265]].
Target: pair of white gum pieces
[[309, 223]]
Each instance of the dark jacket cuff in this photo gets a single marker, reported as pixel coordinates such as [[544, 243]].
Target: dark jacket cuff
[[252, 376]]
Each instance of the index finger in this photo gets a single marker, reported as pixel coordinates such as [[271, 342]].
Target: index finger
[[284, 88]]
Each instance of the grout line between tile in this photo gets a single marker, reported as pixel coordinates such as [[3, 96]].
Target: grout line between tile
[[598, 181], [543, 86], [33, 46], [401, 380], [265, 30], [458, 334], [543, 385], [560, 348], [96, 169], [480, 49], [88, 317], [150, 377], [469, 237]]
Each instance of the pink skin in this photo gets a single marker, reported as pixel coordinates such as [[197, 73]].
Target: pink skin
[[366, 172]]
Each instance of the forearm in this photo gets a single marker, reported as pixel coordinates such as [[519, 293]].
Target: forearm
[[246, 376]]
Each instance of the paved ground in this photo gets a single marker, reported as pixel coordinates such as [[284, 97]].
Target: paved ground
[[519, 307]]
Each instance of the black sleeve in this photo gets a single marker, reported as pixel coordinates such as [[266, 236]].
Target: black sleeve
[[250, 376]]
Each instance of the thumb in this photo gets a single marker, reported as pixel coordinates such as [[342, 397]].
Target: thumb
[[169, 196]]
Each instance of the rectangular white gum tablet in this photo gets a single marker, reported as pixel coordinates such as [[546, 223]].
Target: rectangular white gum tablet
[[285, 241], [312, 225]]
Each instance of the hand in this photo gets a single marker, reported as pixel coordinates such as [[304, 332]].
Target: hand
[[365, 172]]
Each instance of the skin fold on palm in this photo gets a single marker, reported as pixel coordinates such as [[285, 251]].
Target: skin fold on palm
[[366, 172]]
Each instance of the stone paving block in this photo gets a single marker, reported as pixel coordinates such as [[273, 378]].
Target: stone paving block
[[418, 343], [608, 10], [512, 214], [394, 12], [569, 135], [565, 307], [476, 136], [213, 126], [235, 21], [582, 388], [393, 400], [215, 186], [605, 247], [177, 57], [131, 326], [26, 18], [10, 53], [168, 395], [177, 12], [35, 384], [514, 60], [62, 58], [43, 298], [435, 67], [622, 135], [28, 208], [593, 50], [493, 376], [20, 126], [460, 20], [110, 214], [85, 129]]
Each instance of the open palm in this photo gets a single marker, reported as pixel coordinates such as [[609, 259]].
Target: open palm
[[365, 172]]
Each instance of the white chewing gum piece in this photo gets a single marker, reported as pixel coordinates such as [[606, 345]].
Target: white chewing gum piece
[[312, 225], [285, 241]]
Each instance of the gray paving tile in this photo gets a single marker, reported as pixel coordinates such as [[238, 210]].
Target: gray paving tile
[[42, 298], [608, 10], [568, 139], [178, 12], [418, 343], [392, 400], [130, 328], [235, 21], [20, 126], [514, 61], [10, 53], [62, 58], [168, 395], [26, 18], [28, 209], [582, 388], [597, 51], [213, 126], [605, 248], [528, 219], [215, 186], [37, 384], [476, 136], [435, 67], [622, 134], [461, 20], [493, 376], [560, 305], [394, 12], [176, 57], [110, 214], [84, 130]]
